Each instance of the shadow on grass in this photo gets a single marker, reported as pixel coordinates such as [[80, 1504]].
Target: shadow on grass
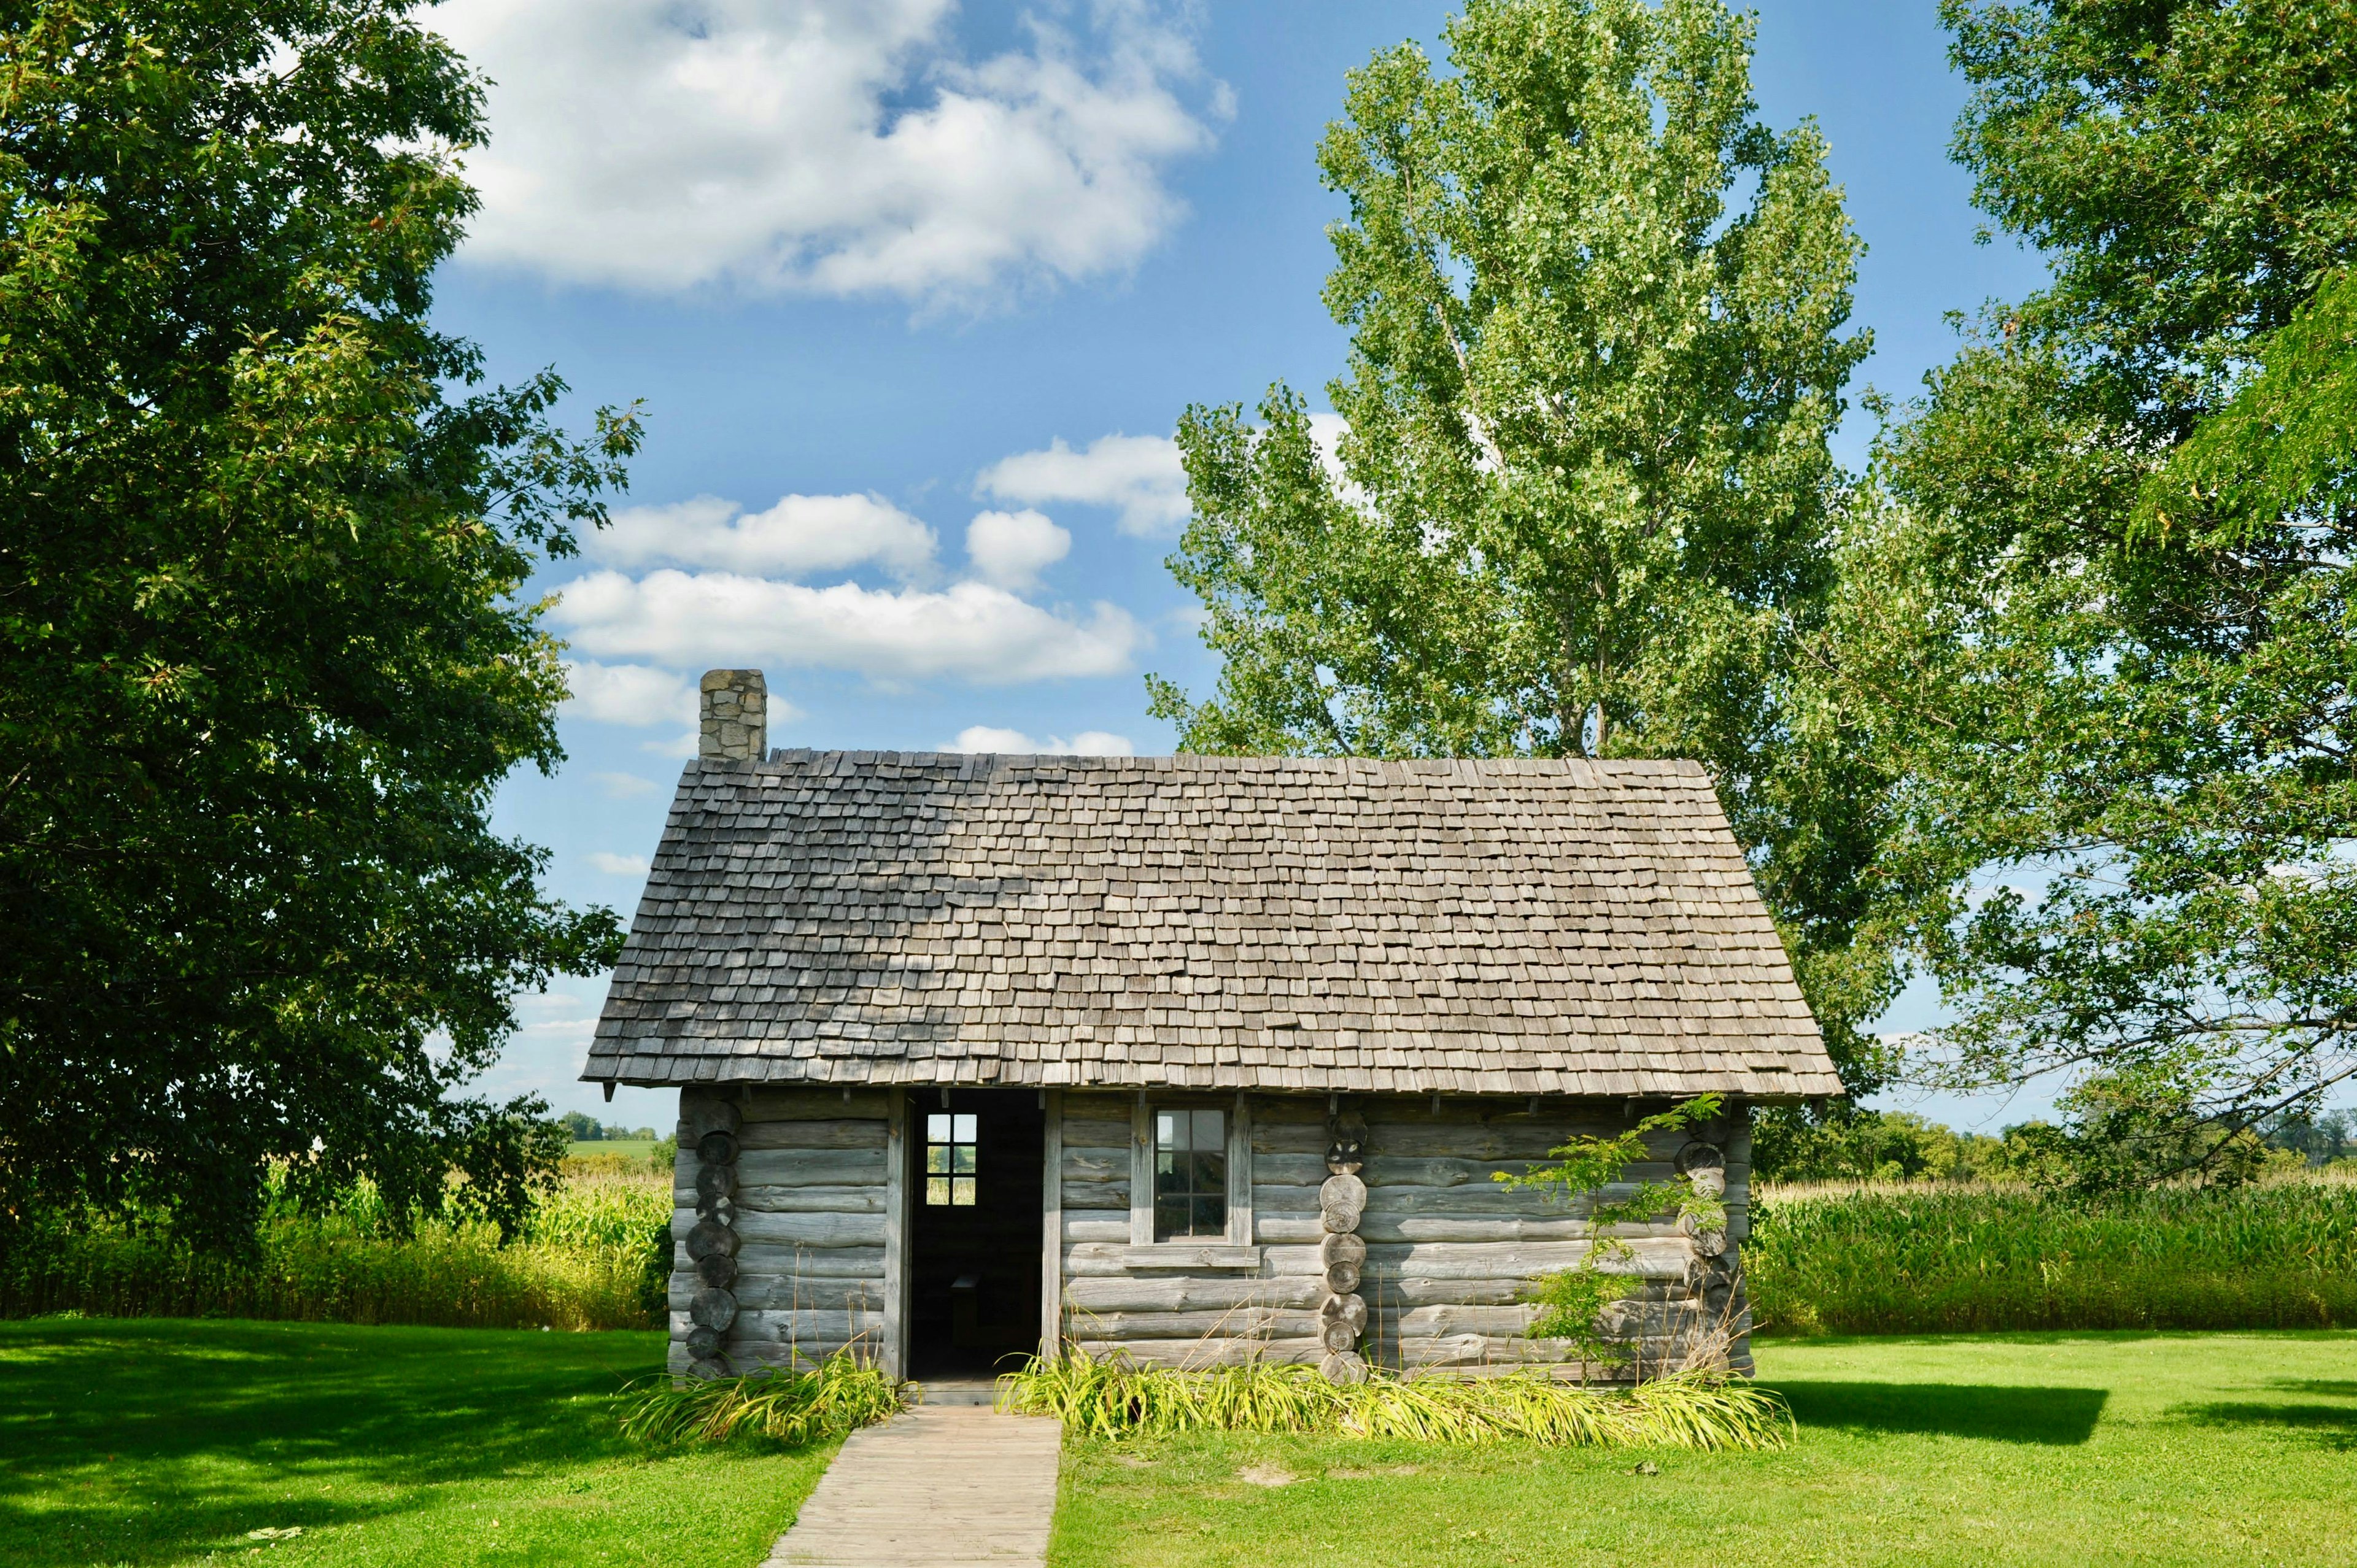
[[155, 1439], [2332, 1427], [1997, 1412]]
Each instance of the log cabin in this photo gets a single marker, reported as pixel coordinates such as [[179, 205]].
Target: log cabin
[[1200, 1059]]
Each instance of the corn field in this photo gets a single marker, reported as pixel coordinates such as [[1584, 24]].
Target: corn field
[[1926, 1260]]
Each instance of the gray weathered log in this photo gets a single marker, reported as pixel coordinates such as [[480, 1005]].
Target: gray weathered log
[[1348, 1309], [1126, 1292], [780, 1104], [712, 1308], [707, 1111], [1342, 1277], [718, 1270], [717, 1148], [704, 1344], [1342, 1368], [710, 1236], [714, 1183], [807, 1230], [859, 1133], [1337, 1336], [1342, 1248], [1197, 1353]]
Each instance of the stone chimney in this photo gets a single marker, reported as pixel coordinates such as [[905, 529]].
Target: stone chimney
[[734, 724]]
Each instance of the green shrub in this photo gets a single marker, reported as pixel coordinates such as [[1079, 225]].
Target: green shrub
[[1116, 1396], [2271, 1255], [836, 1397]]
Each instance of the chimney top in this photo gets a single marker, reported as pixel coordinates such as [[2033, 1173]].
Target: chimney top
[[735, 722]]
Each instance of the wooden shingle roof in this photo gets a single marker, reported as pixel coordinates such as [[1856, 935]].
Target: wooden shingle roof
[[1473, 927]]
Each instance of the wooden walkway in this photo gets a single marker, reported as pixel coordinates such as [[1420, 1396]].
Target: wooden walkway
[[942, 1487]]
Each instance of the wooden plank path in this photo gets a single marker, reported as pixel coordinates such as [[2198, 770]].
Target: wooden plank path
[[942, 1487]]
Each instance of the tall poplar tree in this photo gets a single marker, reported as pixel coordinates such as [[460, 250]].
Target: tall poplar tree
[[1582, 506], [2104, 628], [263, 653]]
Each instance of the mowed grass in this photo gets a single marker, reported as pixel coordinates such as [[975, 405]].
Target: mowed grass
[[2065, 1449], [152, 1442]]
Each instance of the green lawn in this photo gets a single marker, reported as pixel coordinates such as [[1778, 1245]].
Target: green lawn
[[2068, 1449], [162, 1442]]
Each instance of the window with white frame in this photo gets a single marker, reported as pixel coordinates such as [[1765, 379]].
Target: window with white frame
[[1191, 1174], [950, 1171]]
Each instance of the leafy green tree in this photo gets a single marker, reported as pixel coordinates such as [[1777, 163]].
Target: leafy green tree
[[2103, 622], [1583, 503], [261, 657]]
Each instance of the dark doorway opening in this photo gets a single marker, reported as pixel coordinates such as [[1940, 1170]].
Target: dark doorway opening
[[975, 1230]]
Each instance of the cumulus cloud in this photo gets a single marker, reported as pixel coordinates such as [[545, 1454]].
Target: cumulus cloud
[[976, 631], [801, 534], [626, 786], [834, 146], [614, 864], [1012, 548], [627, 695], [1088, 742], [1138, 476]]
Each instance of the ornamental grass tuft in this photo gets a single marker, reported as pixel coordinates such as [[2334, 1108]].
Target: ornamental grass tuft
[[792, 1407], [1113, 1396]]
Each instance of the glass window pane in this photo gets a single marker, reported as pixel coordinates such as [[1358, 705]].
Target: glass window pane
[[1212, 1174], [1166, 1131], [937, 1158], [963, 1162], [1211, 1216], [937, 1189], [937, 1129], [962, 1191], [1169, 1173], [1170, 1219], [964, 1129], [1209, 1131]]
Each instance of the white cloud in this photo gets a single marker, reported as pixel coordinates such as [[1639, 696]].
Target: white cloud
[[1088, 742], [800, 535], [627, 695], [838, 146], [626, 786], [973, 630], [614, 864], [1012, 548], [1140, 476]]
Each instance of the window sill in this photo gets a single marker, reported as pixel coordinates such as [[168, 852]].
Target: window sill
[[1187, 1255]]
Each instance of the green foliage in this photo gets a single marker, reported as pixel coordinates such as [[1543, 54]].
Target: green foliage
[[1576, 1299], [596, 1254], [792, 1408], [1850, 1143], [1595, 313], [2265, 1255], [2097, 614], [263, 657], [1116, 1396]]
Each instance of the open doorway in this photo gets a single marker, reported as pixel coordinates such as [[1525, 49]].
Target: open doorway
[[975, 1229]]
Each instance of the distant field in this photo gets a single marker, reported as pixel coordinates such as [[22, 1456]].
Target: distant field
[[627, 1148]]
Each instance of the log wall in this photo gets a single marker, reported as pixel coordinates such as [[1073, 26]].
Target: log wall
[[1450, 1254], [810, 1218]]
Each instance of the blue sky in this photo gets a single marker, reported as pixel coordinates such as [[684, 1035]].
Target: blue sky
[[914, 292]]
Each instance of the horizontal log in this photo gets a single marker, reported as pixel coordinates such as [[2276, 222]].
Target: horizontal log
[[817, 1105], [1236, 1323], [1476, 1349], [1188, 1293], [811, 1199], [1098, 1105], [1309, 1170], [1096, 1225], [813, 1230], [1195, 1355], [1096, 1164], [771, 1292], [1288, 1229], [1097, 1195], [839, 1133], [835, 1326], [1444, 1322], [801, 1168], [1088, 1133], [812, 1262]]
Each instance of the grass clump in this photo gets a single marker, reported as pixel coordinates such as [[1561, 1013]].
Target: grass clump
[[792, 1407], [1113, 1396], [1912, 1261]]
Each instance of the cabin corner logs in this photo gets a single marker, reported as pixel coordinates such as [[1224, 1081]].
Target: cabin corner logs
[[1342, 1204]]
